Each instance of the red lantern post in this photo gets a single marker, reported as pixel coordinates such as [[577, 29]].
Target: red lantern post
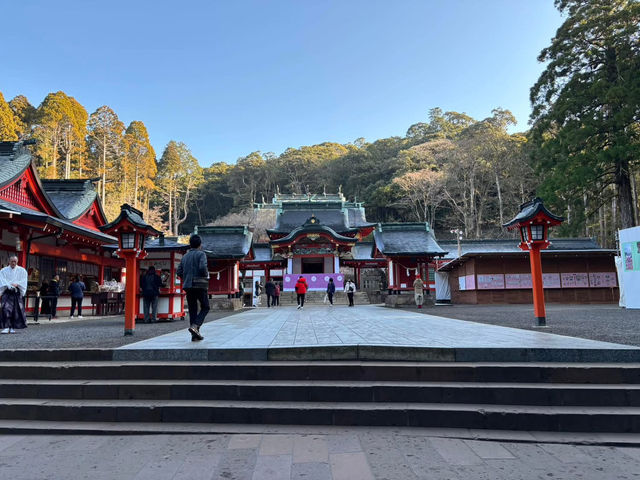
[[533, 222], [131, 231]]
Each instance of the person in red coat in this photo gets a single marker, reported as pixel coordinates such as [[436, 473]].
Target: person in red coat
[[301, 289]]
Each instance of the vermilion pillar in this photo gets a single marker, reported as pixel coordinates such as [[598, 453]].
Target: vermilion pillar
[[131, 287], [538, 291]]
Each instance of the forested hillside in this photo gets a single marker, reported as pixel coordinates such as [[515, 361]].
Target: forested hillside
[[456, 172]]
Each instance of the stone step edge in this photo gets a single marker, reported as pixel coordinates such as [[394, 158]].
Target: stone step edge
[[545, 410], [303, 383], [37, 427], [333, 353]]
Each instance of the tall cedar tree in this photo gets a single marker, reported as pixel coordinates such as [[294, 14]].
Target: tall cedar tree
[[586, 103], [179, 177], [105, 144], [139, 167]]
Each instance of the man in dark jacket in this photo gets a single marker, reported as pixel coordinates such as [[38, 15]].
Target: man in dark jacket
[[54, 293], [331, 290], [77, 289], [150, 284], [194, 274], [270, 290]]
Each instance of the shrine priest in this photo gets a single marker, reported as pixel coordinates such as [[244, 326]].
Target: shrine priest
[[13, 286]]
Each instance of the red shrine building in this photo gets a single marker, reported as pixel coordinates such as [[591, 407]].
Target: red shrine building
[[51, 225]]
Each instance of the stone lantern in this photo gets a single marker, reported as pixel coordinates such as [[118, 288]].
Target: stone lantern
[[533, 222], [131, 231]]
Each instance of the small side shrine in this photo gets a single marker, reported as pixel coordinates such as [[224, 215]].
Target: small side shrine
[[164, 254], [408, 249], [225, 247]]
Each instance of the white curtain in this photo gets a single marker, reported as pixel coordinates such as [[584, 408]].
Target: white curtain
[[443, 291]]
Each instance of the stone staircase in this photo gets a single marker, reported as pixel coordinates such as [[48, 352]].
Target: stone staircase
[[157, 396], [317, 298]]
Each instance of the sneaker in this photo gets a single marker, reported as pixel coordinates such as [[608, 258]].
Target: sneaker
[[79, 316], [5, 330], [299, 307], [194, 330], [11, 330]]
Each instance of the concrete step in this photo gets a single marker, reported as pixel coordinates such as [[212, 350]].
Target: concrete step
[[324, 391], [574, 397], [563, 373], [521, 417]]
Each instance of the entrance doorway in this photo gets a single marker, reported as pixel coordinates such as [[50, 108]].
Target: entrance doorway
[[313, 265]]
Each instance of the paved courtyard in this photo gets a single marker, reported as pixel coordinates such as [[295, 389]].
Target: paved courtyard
[[364, 325], [324, 454]]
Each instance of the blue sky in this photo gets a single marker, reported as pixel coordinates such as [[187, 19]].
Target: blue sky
[[232, 77]]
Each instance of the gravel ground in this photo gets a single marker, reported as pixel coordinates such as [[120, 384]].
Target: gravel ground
[[91, 332], [607, 323]]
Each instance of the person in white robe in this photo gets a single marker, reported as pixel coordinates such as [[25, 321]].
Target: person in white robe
[[13, 287]]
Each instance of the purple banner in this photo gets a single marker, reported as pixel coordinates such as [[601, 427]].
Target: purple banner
[[316, 281]]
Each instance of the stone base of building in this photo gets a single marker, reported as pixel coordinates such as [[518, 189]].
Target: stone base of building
[[406, 301], [225, 303]]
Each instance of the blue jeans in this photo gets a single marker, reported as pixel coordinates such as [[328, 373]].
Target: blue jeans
[[195, 296]]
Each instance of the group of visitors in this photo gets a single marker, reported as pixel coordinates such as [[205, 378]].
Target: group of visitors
[[271, 288], [301, 288], [49, 293]]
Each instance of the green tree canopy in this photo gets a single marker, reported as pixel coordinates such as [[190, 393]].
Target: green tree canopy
[[586, 103], [25, 114], [61, 128], [8, 127]]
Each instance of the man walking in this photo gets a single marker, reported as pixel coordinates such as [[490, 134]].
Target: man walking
[[418, 286], [270, 290], [350, 288], [150, 286], [13, 286], [301, 290], [331, 289], [194, 274]]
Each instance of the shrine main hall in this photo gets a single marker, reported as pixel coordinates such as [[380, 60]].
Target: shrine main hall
[[321, 236]]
